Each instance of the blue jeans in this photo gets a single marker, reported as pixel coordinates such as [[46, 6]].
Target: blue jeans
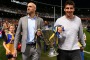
[[82, 55]]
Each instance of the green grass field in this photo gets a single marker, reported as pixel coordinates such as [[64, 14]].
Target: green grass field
[[87, 48], [44, 55]]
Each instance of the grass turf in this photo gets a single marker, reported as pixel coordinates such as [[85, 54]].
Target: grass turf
[[44, 55]]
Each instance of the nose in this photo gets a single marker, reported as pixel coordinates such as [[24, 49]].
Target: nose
[[69, 9], [27, 8]]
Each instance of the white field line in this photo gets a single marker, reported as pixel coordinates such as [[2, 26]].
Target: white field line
[[87, 52]]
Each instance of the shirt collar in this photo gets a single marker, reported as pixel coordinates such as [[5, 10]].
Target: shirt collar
[[33, 17]]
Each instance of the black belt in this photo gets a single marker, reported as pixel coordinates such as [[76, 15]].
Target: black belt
[[31, 43]]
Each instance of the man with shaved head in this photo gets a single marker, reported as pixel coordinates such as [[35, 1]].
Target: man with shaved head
[[28, 25]]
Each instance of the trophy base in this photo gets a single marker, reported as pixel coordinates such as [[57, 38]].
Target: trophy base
[[52, 52], [53, 55]]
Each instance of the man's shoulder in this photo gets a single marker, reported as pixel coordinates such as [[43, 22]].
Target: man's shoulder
[[77, 17], [40, 18]]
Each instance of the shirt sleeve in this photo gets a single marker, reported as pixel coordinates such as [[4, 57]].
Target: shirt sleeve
[[80, 36]]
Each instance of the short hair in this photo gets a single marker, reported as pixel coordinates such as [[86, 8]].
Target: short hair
[[70, 2], [11, 25], [33, 4]]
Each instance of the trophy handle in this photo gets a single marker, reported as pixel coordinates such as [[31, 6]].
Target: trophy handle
[[52, 51]]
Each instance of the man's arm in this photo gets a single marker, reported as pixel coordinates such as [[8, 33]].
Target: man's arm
[[41, 23], [18, 34], [80, 36]]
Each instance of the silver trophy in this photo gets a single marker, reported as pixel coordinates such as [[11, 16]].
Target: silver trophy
[[57, 32], [52, 51]]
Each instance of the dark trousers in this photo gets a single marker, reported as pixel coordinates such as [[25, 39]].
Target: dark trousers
[[68, 55]]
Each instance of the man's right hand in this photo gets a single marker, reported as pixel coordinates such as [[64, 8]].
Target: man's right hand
[[81, 48]]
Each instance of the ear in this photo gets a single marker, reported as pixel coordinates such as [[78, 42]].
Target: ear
[[64, 9]]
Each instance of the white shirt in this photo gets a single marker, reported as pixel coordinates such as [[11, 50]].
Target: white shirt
[[72, 29]]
